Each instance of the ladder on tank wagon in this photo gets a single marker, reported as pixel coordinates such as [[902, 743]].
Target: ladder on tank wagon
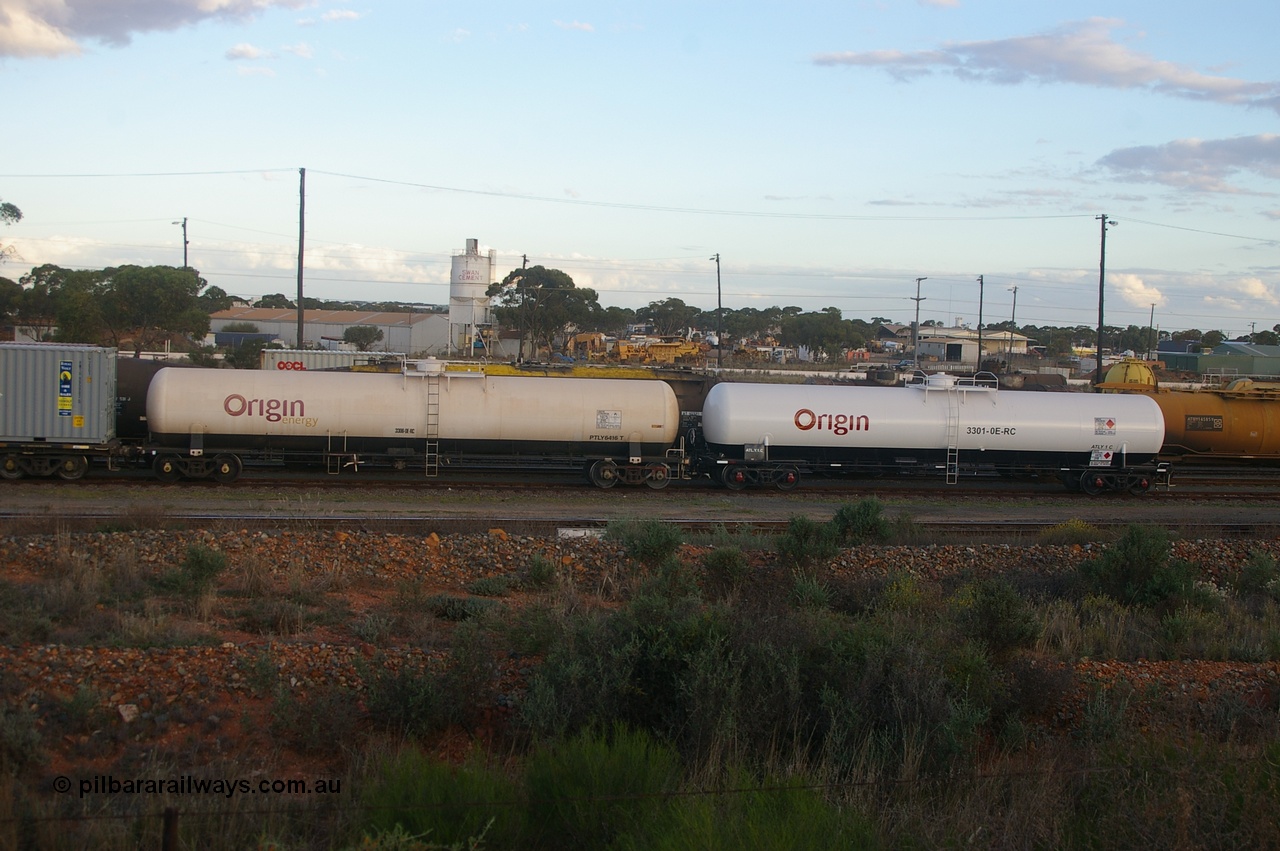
[[431, 451], [953, 438]]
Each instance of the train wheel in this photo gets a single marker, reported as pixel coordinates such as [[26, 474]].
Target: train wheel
[[788, 478], [1093, 483], [11, 467], [167, 469], [603, 474], [1140, 485], [226, 469], [72, 467], [657, 476], [734, 478]]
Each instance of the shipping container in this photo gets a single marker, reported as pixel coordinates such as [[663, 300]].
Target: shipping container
[[57, 394]]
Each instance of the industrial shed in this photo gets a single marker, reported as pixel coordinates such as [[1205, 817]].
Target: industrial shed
[[418, 333]]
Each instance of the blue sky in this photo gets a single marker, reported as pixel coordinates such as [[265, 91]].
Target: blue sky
[[830, 152]]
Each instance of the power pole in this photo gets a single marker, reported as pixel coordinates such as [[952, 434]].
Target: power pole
[[1013, 320], [184, 241], [1102, 279], [915, 328], [1151, 337], [719, 313], [980, 287], [302, 229]]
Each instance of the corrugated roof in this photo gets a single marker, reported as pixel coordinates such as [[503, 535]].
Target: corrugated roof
[[321, 317]]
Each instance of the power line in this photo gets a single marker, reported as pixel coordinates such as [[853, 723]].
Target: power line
[[661, 208]]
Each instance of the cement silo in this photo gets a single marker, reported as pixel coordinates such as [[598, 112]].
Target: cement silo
[[468, 305]]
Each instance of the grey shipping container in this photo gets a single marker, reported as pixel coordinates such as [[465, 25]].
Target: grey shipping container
[[57, 394]]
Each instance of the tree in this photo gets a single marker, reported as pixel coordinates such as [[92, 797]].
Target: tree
[[215, 299], [1212, 339], [52, 296], [277, 301], [10, 298], [362, 336], [824, 332], [9, 214], [143, 306], [541, 304], [669, 318]]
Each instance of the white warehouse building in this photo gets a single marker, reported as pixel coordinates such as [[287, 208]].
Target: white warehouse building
[[415, 333]]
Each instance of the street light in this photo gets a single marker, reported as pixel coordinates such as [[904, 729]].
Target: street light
[[184, 240], [915, 328]]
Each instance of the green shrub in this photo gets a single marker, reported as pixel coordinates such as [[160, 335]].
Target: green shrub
[[807, 542], [1073, 531], [541, 572], [769, 813], [451, 607], [406, 701], [1137, 569], [724, 569], [590, 790], [198, 572], [809, 592], [861, 523], [490, 586], [439, 804], [649, 542], [323, 720], [20, 742], [1259, 577], [992, 612]]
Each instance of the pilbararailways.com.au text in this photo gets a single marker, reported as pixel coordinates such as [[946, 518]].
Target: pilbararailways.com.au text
[[186, 784]]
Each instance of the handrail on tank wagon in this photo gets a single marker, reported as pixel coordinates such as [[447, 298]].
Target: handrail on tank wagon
[[983, 381]]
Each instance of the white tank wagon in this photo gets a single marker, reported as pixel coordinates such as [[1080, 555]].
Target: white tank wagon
[[208, 421], [768, 434]]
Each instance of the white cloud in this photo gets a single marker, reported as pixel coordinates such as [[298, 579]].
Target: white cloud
[[302, 50], [27, 31], [1083, 52], [244, 51], [1133, 290], [575, 25], [1256, 289], [30, 28], [340, 15], [1197, 164]]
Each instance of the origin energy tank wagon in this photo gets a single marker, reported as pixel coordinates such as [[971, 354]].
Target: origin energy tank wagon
[[207, 421], [768, 434]]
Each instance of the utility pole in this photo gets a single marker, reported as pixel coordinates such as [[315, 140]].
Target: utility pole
[[524, 261], [719, 313], [185, 264], [1013, 320], [980, 288], [1151, 336], [915, 328], [1102, 279], [302, 229]]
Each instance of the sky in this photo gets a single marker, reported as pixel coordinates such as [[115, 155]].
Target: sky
[[830, 153]]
